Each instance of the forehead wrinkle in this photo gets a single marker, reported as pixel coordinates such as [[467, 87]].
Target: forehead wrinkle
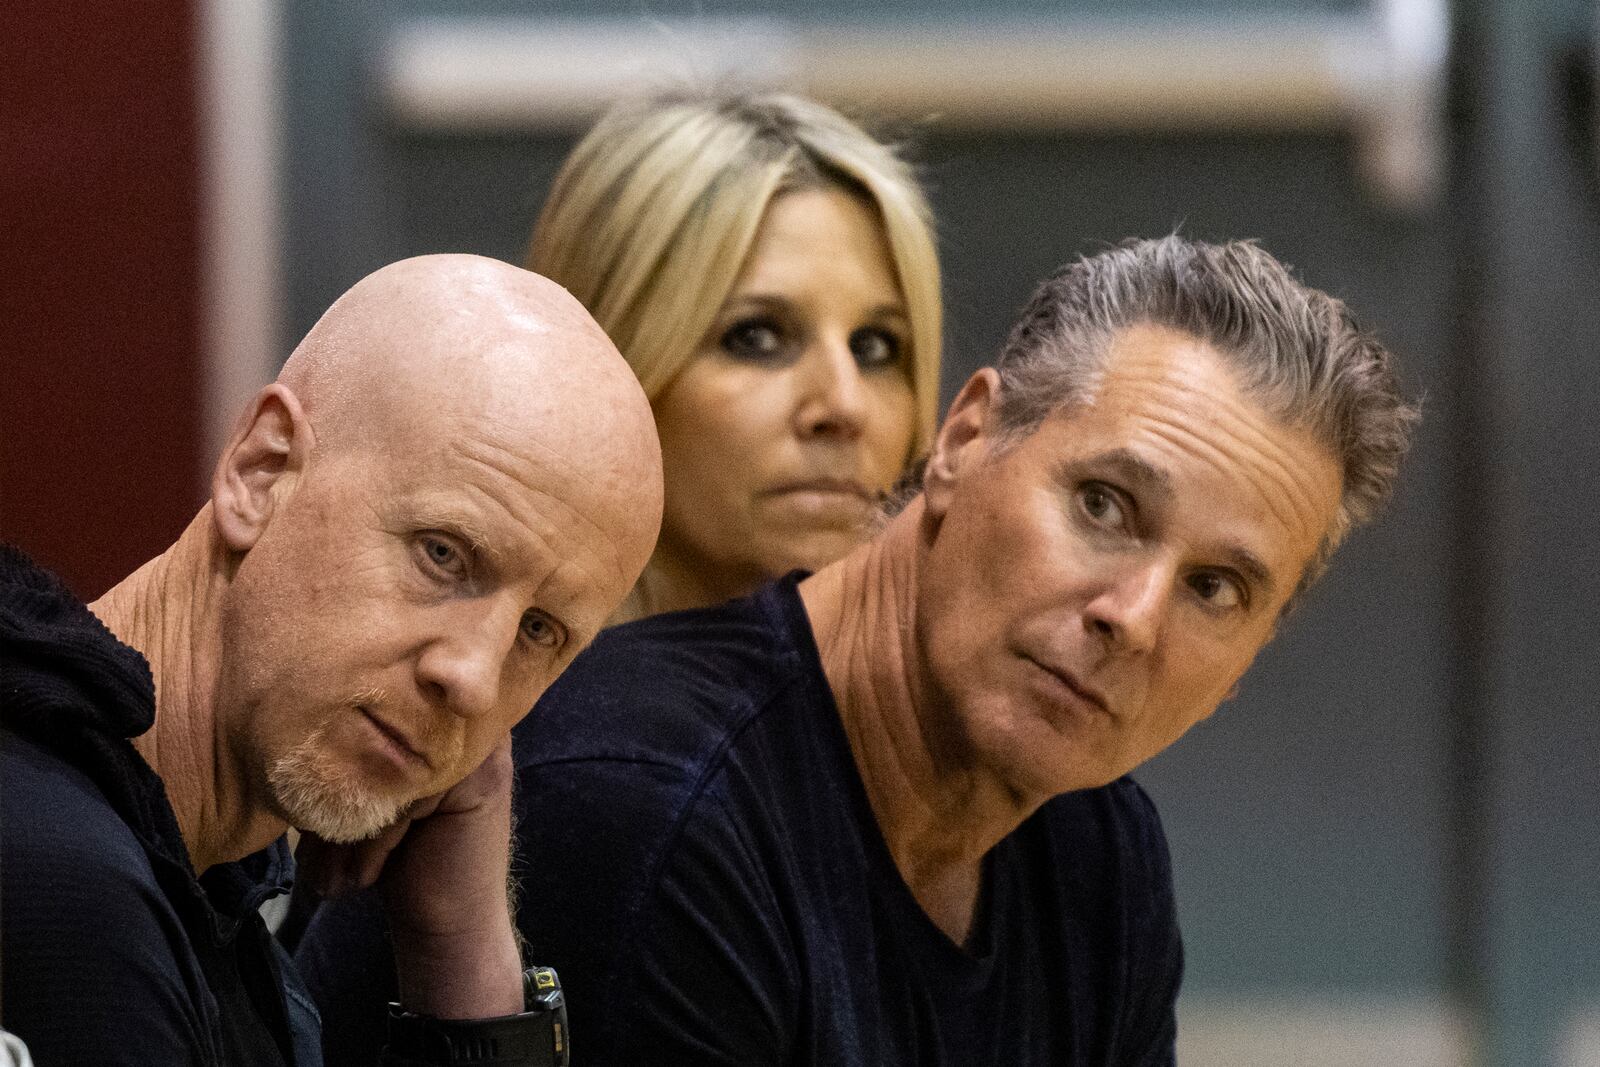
[[434, 515], [1171, 388], [551, 506], [484, 453], [1285, 498]]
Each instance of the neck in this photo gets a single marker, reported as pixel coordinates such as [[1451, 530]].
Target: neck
[[168, 611], [939, 813], [673, 583]]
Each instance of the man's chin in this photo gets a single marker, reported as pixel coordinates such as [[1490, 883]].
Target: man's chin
[[335, 809], [344, 827]]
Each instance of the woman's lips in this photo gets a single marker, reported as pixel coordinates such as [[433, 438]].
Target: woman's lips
[[838, 486], [838, 502]]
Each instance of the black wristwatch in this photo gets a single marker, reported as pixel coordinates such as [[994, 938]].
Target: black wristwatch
[[537, 1037]]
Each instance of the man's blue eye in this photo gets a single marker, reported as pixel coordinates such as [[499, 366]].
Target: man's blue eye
[[538, 628], [442, 556]]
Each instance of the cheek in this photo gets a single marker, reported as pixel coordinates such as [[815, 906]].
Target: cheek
[[700, 492], [1196, 682], [715, 406], [891, 426], [480, 738], [716, 430]]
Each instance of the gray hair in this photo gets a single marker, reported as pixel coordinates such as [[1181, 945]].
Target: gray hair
[[1297, 350]]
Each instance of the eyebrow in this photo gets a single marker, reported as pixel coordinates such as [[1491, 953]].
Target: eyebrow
[[775, 302], [471, 533], [1123, 464], [1150, 480]]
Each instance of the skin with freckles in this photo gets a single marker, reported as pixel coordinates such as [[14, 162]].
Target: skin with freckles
[[450, 487], [1054, 611], [795, 415]]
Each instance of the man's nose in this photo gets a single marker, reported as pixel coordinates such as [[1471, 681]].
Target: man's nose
[[461, 667], [832, 401], [1129, 609]]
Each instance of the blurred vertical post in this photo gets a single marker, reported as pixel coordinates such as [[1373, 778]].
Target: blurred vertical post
[[242, 303]]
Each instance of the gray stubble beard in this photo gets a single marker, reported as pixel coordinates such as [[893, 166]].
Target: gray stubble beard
[[319, 797]]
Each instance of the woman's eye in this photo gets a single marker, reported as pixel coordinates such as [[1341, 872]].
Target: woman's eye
[[539, 629], [875, 348], [753, 339], [1219, 591], [1101, 505], [442, 556]]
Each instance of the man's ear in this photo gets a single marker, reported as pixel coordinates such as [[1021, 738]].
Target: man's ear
[[272, 440], [962, 439]]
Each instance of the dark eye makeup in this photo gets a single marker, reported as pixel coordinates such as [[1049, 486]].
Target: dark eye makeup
[[758, 339], [875, 347], [767, 339]]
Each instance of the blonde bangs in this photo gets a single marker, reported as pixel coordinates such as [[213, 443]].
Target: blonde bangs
[[651, 218]]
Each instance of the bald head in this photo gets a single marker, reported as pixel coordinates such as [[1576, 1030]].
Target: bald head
[[426, 349], [474, 333], [451, 486]]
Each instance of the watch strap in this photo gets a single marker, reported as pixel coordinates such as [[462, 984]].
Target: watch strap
[[535, 1037]]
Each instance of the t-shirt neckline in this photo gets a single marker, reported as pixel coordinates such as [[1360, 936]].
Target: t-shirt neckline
[[786, 611]]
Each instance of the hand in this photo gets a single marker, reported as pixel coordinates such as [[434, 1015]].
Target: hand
[[442, 871]]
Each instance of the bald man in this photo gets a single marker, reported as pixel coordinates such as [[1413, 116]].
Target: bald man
[[412, 532]]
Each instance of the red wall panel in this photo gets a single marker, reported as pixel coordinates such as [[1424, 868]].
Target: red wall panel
[[100, 390]]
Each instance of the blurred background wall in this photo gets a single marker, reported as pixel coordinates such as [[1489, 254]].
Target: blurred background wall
[[100, 398], [1388, 847]]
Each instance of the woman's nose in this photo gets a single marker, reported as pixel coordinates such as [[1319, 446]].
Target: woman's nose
[[833, 397]]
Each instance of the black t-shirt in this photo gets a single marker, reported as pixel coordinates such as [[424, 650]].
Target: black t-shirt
[[701, 865]]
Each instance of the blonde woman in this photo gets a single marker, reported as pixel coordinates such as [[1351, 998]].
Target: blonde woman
[[769, 271]]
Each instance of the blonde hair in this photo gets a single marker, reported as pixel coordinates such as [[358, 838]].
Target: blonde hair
[[651, 217]]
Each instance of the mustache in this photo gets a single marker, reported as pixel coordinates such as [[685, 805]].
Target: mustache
[[372, 696], [440, 735]]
